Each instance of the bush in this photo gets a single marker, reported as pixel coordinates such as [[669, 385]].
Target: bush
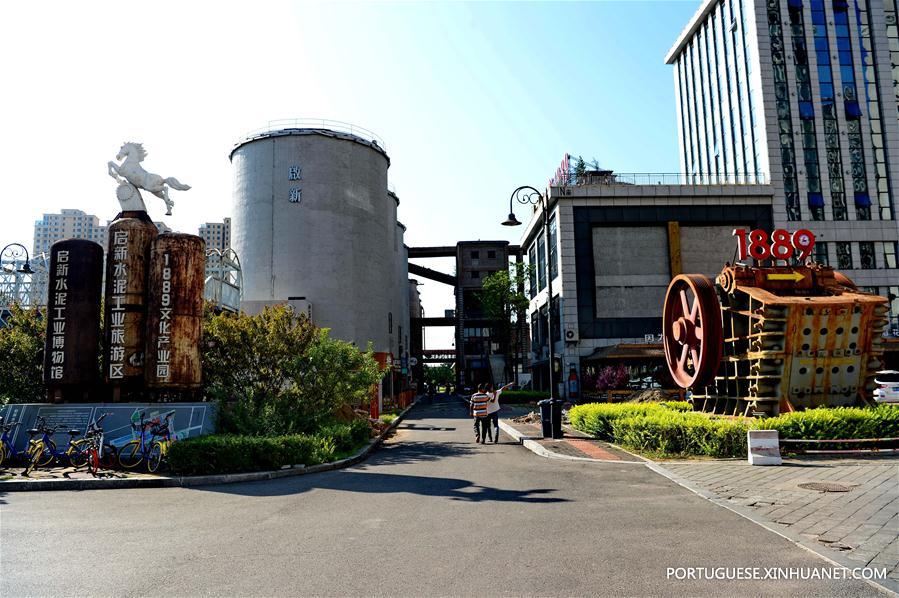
[[388, 418], [670, 429], [277, 374], [232, 453], [675, 433], [22, 357], [522, 396], [836, 424], [596, 418], [677, 405]]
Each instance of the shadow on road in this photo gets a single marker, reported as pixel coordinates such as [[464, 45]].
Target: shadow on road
[[403, 452], [386, 483]]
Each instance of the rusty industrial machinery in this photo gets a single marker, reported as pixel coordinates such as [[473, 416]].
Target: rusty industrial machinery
[[765, 340], [175, 312]]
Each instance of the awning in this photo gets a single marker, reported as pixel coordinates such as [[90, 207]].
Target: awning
[[624, 351]]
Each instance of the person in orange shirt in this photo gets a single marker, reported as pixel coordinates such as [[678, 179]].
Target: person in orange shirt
[[478, 409]]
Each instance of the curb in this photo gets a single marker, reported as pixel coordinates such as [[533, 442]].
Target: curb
[[835, 559], [530, 443], [204, 480]]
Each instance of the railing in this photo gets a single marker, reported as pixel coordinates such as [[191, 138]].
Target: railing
[[657, 178], [318, 123]]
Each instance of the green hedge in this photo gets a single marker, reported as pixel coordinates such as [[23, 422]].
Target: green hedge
[[671, 430], [596, 418], [522, 396], [232, 453], [837, 424]]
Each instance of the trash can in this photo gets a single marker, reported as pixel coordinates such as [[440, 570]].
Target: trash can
[[551, 417]]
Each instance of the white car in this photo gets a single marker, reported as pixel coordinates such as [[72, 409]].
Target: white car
[[887, 390]]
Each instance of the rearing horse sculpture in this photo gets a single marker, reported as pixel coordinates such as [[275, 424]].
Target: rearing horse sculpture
[[131, 171]]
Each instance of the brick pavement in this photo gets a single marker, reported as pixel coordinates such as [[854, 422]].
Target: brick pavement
[[862, 524]]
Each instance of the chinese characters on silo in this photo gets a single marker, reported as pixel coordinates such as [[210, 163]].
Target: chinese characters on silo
[[117, 306]]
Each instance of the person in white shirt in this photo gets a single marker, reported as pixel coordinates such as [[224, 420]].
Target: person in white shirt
[[493, 410]]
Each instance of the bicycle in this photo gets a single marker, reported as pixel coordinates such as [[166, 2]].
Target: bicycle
[[98, 454], [42, 452], [151, 450], [7, 450]]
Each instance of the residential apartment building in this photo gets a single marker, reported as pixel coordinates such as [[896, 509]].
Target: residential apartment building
[[216, 234], [802, 94], [67, 224]]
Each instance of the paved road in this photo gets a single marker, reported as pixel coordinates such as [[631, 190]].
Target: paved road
[[431, 513]]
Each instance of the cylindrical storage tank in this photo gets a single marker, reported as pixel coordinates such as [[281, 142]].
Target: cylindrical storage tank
[[311, 217], [401, 294], [73, 318], [175, 311], [127, 265]]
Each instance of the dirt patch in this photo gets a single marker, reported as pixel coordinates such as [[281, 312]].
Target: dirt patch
[[652, 395]]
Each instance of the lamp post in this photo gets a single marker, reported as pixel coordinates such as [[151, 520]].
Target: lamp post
[[528, 195], [13, 252], [11, 283]]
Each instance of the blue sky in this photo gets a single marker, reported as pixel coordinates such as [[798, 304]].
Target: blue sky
[[472, 99]]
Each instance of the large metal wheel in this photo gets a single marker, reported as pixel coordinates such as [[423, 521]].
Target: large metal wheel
[[691, 330]]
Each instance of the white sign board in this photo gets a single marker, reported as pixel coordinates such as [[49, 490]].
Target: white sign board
[[764, 447]]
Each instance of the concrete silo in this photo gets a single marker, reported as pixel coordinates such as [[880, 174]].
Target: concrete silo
[[313, 222]]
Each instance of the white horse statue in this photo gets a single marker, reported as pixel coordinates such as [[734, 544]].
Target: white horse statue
[[132, 176]]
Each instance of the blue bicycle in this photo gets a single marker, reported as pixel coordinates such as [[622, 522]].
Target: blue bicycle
[[7, 451], [42, 452], [152, 444]]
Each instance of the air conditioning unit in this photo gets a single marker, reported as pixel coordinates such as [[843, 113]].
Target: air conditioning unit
[[301, 306], [571, 333]]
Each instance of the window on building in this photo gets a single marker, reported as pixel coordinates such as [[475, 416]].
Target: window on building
[[532, 275], [475, 255], [553, 243], [491, 255], [866, 250], [844, 255], [541, 264], [475, 274], [390, 322], [820, 254], [889, 254]]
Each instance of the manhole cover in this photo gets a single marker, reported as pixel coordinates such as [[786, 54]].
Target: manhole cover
[[825, 487]]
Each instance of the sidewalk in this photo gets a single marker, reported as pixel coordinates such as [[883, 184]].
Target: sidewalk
[[574, 446], [846, 510]]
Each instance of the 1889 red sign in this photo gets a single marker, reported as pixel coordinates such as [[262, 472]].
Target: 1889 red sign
[[780, 245]]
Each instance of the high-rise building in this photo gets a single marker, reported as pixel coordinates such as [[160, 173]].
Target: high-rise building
[[67, 224], [216, 234], [800, 93]]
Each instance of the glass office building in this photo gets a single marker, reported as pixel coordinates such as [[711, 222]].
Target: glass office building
[[802, 94]]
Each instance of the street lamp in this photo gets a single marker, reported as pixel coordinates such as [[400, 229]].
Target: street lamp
[[528, 195], [13, 252]]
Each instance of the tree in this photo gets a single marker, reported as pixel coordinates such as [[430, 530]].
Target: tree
[[504, 303], [276, 373], [22, 357], [580, 169], [441, 374]]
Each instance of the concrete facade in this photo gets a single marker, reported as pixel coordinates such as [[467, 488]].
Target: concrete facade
[[312, 219], [477, 356], [802, 94]]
